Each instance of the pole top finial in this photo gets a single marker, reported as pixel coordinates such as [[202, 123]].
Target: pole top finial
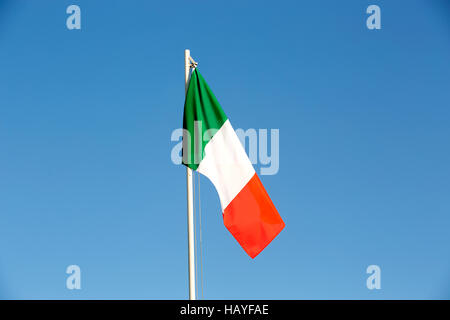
[[193, 63]]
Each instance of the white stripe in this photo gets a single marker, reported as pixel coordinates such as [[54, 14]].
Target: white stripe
[[226, 164]]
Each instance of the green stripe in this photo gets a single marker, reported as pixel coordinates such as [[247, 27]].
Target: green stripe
[[202, 114]]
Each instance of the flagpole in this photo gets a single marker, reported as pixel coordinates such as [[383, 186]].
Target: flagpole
[[190, 197]]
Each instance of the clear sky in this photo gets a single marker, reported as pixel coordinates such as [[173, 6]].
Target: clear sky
[[86, 176]]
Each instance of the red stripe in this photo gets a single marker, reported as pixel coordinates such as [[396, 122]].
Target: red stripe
[[252, 218]]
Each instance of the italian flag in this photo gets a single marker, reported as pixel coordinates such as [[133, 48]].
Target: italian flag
[[211, 147]]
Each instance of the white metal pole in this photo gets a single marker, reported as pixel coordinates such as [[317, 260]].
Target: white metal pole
[[190, 198]]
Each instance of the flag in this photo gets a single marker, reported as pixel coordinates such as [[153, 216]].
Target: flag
[[211, 147]]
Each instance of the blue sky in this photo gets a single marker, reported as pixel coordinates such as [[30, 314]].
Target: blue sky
[[86, 176]]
